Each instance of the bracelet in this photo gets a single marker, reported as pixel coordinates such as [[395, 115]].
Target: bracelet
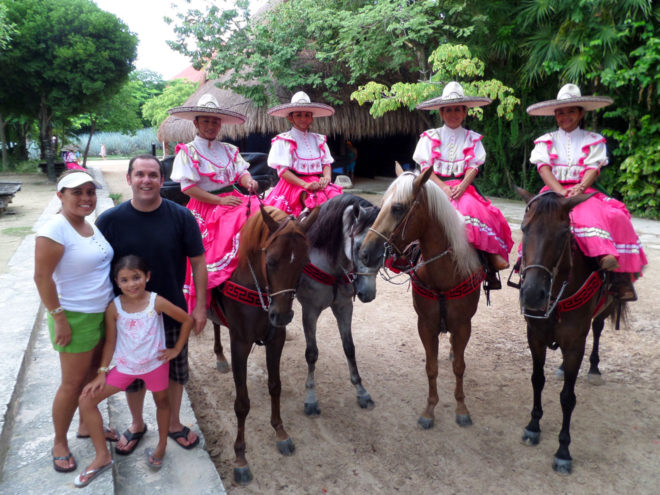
[[56, 311], [103, 369]]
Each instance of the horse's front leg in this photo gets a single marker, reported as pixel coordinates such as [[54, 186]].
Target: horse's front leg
[[273, 356], [459, 340], [537, 347], [239, 354], [429, 337], [563, 462], [594, 376], [310, 315], [221, 363], [342, 308]]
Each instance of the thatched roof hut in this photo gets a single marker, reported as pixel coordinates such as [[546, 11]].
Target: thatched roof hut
[[351, 121]]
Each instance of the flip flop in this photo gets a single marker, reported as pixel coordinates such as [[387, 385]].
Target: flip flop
[[183, 434], [155, 463], [107, 431], [130, 436], [60, 469], [90, 475]]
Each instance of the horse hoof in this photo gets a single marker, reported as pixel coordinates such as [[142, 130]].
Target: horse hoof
[[286, 447], [559, 374], [243, 475], [312, 409], [595, 379], [222, 366], [425, 423], [463, 419], [365, 402], [562, 466], [531, 437]]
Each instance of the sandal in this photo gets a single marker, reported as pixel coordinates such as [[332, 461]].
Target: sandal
[[111, 435], [61, 469], [90, 475], [155, 463], [130, 437], [183, 434]]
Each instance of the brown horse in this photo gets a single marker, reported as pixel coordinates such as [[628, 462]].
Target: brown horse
[[256, 304], [446, 283], [561, 292]]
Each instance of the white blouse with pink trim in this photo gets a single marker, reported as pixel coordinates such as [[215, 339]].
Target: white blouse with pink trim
[[304, 152], [208, 165], [450, 151], [570, 154]]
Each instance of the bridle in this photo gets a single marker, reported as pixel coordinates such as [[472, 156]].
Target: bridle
[[551, 302]]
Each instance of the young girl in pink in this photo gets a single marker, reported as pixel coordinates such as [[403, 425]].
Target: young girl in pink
[[135, 340]]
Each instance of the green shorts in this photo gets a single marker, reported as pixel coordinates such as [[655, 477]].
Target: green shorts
[[87, 329]]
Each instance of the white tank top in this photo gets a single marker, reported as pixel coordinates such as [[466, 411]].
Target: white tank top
[[140, 337]]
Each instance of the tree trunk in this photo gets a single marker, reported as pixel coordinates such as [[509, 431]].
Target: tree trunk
[[5, 158], [89, 140], [46, 135]]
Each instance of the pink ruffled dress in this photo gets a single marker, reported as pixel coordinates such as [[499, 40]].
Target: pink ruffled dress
[[306, 154], [601, 225], [212, 166], [451, 153]]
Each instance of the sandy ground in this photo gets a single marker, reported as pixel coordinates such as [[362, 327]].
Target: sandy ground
[[615, 428]]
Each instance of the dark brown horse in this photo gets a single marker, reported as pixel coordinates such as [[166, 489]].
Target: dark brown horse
[[256, 304], [446, 281], [561, 293]]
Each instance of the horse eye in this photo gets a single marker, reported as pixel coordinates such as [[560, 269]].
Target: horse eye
[[398, 209]]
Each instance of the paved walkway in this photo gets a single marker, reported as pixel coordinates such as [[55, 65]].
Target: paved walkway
[[30, 376]]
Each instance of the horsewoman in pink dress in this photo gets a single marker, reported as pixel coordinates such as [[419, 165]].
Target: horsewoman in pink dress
[[302, 158], [456, 154], [209, 171], [569, 162]]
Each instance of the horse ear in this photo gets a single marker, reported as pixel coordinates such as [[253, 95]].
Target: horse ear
[[421, 179], [270, 222], [576, 200], [398, 168], [356, 210], [307, 222], [526, 195]]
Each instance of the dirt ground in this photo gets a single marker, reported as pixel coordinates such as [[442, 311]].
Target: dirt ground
[[615, 427]]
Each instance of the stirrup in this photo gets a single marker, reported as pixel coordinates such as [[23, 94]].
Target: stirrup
[[492, 280]]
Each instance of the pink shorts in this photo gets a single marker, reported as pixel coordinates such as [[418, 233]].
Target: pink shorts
[[156, 380]]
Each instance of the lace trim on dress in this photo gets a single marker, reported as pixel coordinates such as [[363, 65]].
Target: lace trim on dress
[[209, 171]]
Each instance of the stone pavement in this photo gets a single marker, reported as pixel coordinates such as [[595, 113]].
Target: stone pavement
[[30, 376]]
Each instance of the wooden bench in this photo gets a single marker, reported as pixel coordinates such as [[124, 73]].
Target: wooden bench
[[7, 191]]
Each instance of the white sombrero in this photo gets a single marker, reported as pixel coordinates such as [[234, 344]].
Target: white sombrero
[[300, 102], [453, 94], [569, 96], [207, 105]]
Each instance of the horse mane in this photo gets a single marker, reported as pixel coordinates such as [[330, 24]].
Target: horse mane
[[544, 204], [327, 233], [442, 211], [254, 233]]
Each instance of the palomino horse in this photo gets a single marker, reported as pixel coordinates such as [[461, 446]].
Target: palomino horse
[[256, 304], [446, 280], [334, 276], [561, 292]]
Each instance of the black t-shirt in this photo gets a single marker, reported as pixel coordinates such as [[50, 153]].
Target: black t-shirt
[[164, 237]]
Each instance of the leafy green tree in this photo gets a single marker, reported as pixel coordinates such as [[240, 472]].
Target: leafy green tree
[[6, 30], [176, 92], [66, 58]]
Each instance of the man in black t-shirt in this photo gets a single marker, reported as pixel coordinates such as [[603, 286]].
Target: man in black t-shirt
[[165, 234]]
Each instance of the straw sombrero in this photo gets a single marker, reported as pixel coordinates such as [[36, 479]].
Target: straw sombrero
[[300, 102], [207, 105], [569, 96], [453, 94]]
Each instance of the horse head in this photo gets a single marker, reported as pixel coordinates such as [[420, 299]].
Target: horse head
[[397, 224], [357, 220], [546, 249], [281, 258]]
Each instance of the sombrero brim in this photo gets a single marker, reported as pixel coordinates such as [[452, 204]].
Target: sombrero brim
[[548, 107], [317, 109], [189, 113], [440, 102]]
